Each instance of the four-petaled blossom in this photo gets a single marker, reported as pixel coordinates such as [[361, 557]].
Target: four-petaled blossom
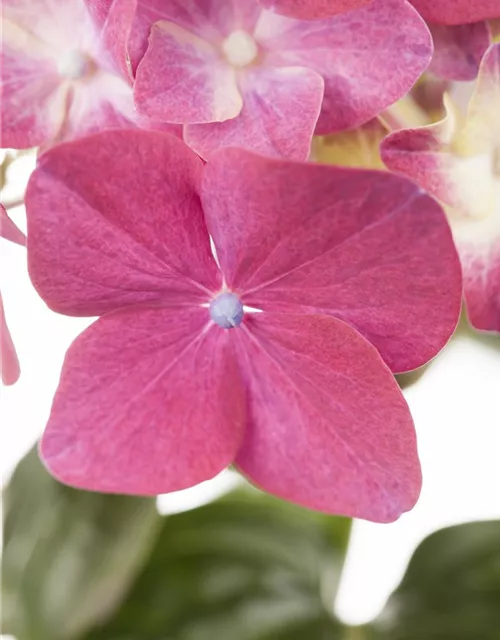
[[176, 380], [63, 74], [9, 363], [238, 75], [458, 161]]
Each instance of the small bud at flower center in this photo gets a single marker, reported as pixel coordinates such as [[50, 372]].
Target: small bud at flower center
[[226, 310], [76, 65], [240, 48]]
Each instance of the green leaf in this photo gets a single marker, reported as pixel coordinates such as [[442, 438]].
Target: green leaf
[[247, 567], [451, 590], [69, 556]]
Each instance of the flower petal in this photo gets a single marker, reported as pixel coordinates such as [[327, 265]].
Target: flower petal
[[149, 402], [9, 362], [328, 426], [458, 50], [312, 9], [367, 247], [182, 78], [9, 230], [368, 58], [210, 20], [457, 11], [281, 107], [114, 220]]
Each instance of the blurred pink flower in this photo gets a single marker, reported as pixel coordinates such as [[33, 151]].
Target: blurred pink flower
[[177, 380], [237, 75], [458, 161], [9, 361]]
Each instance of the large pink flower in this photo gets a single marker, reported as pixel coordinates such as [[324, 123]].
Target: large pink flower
[[176, 380], [458, 161], [62, 76], [237, 75], [9, 363], [457, 11]]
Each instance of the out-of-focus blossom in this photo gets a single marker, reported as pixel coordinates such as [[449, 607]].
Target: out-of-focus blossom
[[62, 75], [237, 75], [312, 9], [9, 361], [458, 161], [458, 50], [177, 379], [457, 11]]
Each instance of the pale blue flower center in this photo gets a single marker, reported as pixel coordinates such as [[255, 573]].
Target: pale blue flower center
[[226, 310]]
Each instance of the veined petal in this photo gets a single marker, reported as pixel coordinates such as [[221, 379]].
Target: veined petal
[[458, 50], [115, 220], [457, 11], [9, 361], [211, 20], [364, 246], [368, 58], [280, 110], [149, 402], [312, 9], [328, 427], [182, 78]]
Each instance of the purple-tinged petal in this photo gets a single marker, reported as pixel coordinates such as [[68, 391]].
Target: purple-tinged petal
[[9, 230], [115, 220], [368, 58], [367, 247], [312, 9], [280, 110], [182, 78], [149, 402], [9, 362], [211, 20], [458, 50], [457, 11], [328, 427]]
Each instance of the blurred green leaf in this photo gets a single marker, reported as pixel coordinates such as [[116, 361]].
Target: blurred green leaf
[[247, 567], [451, 590], [69, 556]]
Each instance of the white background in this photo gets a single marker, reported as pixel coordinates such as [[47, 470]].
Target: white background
[[456, 407]]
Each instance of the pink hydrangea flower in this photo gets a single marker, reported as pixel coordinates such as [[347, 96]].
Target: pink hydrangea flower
[[9, 362], [457, 11], [177, 380], [458, 161], [237, 75], [63, 74]]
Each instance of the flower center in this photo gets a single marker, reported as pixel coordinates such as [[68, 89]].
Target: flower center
[[76, 65], [240, 48], [226, 310]]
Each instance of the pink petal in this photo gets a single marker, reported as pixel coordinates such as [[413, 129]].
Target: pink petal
[[457, 11], [281, 107], [458, 50], [9, 362], [481, 267], [9, 230], [367, 247], [328, 426], [182, 78], [368, 58], [312, 9], [149, 402], [116, 31], [114, 220], [210, 20]]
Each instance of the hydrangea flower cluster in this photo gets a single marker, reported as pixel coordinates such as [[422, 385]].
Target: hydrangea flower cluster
[[253, 305]]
